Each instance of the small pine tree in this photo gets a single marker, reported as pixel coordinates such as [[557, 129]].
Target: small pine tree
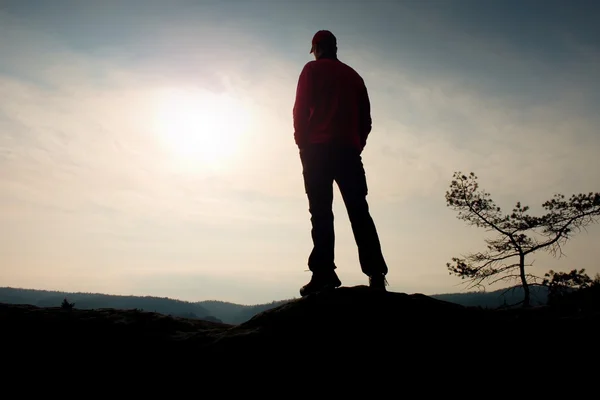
[[561, 284], [518, 234], [66, 305]]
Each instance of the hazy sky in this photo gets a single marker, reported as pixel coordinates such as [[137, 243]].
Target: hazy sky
[[146, 147]]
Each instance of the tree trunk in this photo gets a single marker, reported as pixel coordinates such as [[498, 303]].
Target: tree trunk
[[526, 297]]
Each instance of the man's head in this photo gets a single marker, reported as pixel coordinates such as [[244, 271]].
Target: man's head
[[324, 43]]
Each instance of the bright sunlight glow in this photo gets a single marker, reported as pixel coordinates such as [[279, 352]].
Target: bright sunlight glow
[[200, 128]]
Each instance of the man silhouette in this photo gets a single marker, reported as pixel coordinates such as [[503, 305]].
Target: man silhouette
[[332, 120]]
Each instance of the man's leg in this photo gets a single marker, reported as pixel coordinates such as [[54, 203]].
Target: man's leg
[[351, 179], [318, 183]]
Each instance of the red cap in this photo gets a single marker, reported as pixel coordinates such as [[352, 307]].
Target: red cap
[[323, 36]]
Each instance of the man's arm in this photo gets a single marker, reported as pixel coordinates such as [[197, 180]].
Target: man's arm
[[365, 115], [301, 111]]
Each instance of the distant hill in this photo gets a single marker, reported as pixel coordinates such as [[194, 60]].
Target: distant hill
[[496, 298], [232, 313], [229, 313], [87, 301]]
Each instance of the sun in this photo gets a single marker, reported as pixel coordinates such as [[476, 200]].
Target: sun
[[200, 128]]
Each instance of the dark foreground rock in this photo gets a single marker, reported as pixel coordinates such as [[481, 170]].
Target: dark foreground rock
[[350, 322]]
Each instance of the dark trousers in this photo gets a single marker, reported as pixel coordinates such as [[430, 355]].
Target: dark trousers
[[322, 165]]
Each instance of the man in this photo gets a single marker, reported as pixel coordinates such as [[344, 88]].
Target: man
[[332, 120]]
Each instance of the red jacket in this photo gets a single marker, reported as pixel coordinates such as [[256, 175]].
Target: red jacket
[[332, 105]]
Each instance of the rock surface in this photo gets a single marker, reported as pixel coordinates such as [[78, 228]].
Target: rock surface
[[355, 322]]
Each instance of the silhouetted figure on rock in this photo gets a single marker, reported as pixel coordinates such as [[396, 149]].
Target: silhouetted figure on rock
[[332, 119]]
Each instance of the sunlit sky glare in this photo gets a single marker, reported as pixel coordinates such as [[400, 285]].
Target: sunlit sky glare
[[146, 147]]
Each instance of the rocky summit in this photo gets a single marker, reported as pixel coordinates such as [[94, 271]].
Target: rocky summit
[[346, 323]]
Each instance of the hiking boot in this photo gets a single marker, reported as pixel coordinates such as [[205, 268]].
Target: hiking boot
[[377, 281], [321, 281]]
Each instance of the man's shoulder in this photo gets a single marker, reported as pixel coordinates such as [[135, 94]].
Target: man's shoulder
[[307, 67], [329, 66], [309, 64], [351, 70]]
